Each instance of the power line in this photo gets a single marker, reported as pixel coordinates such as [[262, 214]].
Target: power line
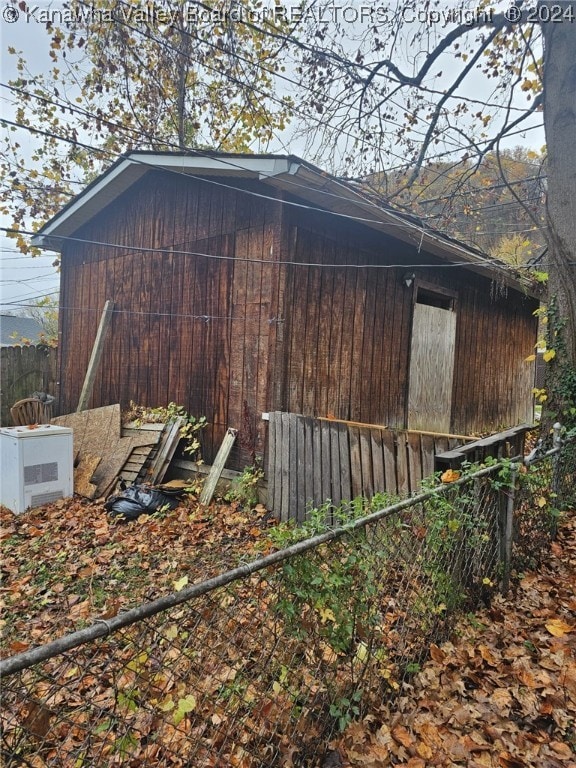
[[165, 45], [168, 46], [228, 161], [262, 262], [101, 151], [33, 278], [113, 155], [29, 297]]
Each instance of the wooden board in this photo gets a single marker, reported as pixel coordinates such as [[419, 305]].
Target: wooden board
[[271, 462], [165, 452], [345, 471], [326, 465], [285, 464], [389, 450], [218, 466], [367, 463], [431, 368], [402, 468], [355, 461], [96, 356], [427, 447], [300, 499], [335, 473], [377, 461], [310, 461], [83, 473], [414, 461], [97, 432]]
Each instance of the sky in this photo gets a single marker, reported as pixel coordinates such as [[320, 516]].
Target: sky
[[24, 279]]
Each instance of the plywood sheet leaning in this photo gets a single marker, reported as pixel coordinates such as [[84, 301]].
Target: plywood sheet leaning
[[83, 472], [98, 432]]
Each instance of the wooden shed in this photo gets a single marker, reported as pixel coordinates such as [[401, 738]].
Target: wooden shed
[[245, 284]]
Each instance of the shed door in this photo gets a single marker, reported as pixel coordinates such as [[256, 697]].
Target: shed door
[[431, 368]]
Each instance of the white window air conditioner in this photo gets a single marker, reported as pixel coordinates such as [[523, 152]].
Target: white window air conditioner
[[36, 464]]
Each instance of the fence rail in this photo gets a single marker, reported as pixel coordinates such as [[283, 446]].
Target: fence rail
[[262, 665]]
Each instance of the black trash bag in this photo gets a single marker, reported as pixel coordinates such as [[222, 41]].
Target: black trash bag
[[139, 500]]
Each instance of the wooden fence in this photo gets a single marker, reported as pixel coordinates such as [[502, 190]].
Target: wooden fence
[[24, 370], [312, 460]]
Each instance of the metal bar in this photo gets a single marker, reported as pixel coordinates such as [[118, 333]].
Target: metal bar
[[102, 627], [508, 508]]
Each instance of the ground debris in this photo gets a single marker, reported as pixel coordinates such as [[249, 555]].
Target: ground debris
[[500, 694]]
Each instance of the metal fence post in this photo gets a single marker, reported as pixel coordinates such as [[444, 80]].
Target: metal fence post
[[557, 432], [556, 470], [507, 506]]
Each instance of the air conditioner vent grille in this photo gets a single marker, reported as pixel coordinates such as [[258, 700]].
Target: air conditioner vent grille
[[45, 498], [40, 473]]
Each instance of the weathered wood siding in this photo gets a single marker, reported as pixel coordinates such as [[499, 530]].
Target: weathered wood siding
[[301, 311], [186, 328], [349, 329], [492, 380]]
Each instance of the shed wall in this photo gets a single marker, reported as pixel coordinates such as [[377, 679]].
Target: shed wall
[[349, 331], [232, 304], [187, 327]]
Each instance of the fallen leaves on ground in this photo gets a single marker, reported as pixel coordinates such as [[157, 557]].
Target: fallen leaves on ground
[[500, 694], [68, 563]]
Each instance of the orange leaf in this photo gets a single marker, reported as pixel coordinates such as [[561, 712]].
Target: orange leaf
[[558, 628], [424, 751], [488, 656], [450, 476], [506, 760], [402, 736], [561, 749], [19, 647], [430, 735], [437, 654]]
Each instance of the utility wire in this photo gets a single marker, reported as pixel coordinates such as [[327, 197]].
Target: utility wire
[[490, 263], [228, 161], [168, 46]]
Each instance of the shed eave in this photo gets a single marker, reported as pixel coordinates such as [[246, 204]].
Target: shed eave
[[126, 171], [286, 173]]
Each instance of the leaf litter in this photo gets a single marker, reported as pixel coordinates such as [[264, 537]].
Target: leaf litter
[[500, 694], [68, 563]]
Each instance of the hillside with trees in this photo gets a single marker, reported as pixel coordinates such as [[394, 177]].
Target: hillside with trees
[[497, 206]]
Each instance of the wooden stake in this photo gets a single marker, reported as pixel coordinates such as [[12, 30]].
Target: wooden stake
[[218, 466], [95, 357]]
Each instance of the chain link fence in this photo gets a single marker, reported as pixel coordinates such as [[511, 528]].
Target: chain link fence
[[265, 664]]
